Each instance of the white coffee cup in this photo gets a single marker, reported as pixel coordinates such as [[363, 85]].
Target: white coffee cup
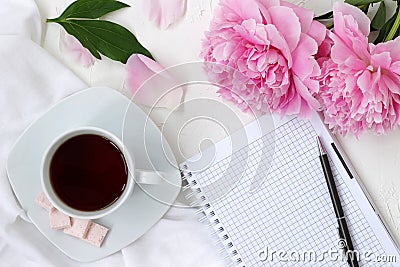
[[134, 175]]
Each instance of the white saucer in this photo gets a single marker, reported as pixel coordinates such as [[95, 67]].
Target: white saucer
[[104, 108]]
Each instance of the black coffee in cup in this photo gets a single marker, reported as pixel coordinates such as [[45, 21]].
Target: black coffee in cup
[[88, 172]]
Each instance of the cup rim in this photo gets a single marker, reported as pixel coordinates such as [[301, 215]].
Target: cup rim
[[45, 176]]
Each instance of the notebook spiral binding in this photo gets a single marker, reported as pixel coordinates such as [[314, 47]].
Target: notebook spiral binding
[[194, 194]]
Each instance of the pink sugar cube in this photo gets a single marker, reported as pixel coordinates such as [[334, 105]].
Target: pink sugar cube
[[43, 202], [59, 220], [79, 228], [96, 234]]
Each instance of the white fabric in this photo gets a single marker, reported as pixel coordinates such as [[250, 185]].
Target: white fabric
[[31, 81]]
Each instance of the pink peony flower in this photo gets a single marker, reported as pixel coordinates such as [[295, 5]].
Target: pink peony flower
[[261, 54], [324, 49], [164, 12], [360, 83], [151, 84], [70, 46]]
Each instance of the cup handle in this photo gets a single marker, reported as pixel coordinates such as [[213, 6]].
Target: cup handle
[[148, 177]]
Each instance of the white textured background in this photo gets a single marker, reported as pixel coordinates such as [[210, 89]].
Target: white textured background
[[376, 159]]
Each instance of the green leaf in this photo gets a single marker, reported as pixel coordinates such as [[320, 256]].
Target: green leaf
[[394, 31], [100, 36], [364, 8], [386, 28], [380, 17], [89, 9], [327, 15], [361, 2], [81, 38], [108, 38]]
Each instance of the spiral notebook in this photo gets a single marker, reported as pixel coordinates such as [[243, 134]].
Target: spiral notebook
[[268, 195]]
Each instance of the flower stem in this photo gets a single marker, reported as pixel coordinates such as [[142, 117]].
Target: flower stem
[[51, 20], [329, 26], [394, 28]]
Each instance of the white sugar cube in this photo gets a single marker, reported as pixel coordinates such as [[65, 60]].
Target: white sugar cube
[[59, 220], [79, 228], [43, 202], [96, 234]]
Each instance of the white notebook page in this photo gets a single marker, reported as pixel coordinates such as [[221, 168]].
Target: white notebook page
[[291, 210]]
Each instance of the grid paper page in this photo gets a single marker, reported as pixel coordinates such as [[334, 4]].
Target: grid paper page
[[292, 210]]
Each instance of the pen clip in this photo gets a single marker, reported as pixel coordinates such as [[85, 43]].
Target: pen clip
[[342, 160], [341, 236]]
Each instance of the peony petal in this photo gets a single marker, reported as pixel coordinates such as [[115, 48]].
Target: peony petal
[[264, 6], [243, 9], [342, 9], [318, 32], [364, 82], [294, 105], [279, 42], [340, 51], [290, 31], [349, 26], [391, 85], [392, 46], [305, 16], [140, 68], [383, 60], [303, 91], [303, 56], [164, 12], [71, 47], [324, 49], [151, 84], [268, 4], [253, 32], [305, 111], [395, 67], [355, 63]]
